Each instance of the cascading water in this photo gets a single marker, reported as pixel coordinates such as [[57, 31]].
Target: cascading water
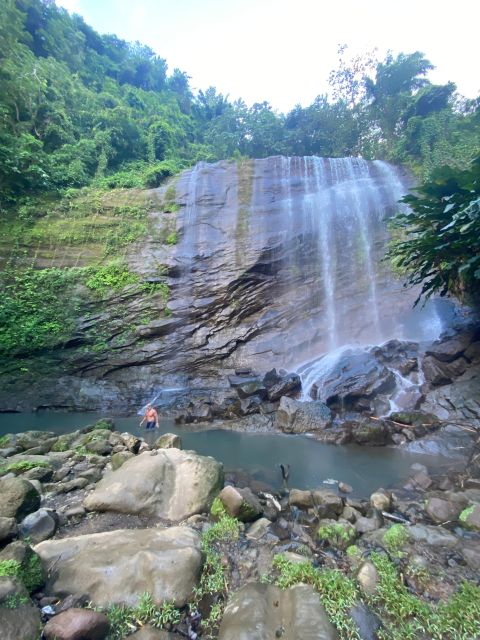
[[294, 247]]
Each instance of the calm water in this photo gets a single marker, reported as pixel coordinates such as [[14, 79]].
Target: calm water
[[311, 462]]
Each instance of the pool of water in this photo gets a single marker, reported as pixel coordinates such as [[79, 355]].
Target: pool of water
[[311, 463]]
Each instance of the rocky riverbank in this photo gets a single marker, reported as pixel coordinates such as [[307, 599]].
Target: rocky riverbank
[[105, 536]]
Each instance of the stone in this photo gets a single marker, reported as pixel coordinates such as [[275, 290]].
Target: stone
[[251, 388], [368, 578], [421, 480], [117, 567], [172, 484], [294, 416], [39, 526], [93, 474], [368, 623], [370, 432], [19, 618], [354, 380], [241, 503], [432, 536], [260, 611], [258, 529], [31, 568], [450, 349], [470, 517], [288, 384], [327, 504], [441, 373], [471, 554], [300, 499], [168, 441], [149, 633], [18, 498], [344, 487], [119, 458], [339, 534], [367, 525], [8, 529], [381, 500], [77, 624], [100, 447], [443, 510]]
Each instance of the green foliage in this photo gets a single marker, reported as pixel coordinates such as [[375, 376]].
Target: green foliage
[[14, 601], [217, 510], [406, 617], [30, 572], [337, 534], [465, 513], [125, 620], [337, 592], [36, 308], [22, 466], [5, 441], [395, 538], [439, 245], [113, 276]]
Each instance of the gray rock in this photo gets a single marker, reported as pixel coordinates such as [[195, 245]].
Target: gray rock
[[172, 484], [259, 611], [241, 503], [100, 447], [31, 568], [294, 416], [366, 525], [432, 536], [443, 510], [471, 554], [117, 567], [381, 500], [39, 526], [149, 633], [286, 386], [367, 622], [8, 529], [18, 498], [327, 504], [20, 619], [119, 458], [368, 578], [93, 474], [440, 373], [258, 529], [168, 441], [77, 624], [300, 499]]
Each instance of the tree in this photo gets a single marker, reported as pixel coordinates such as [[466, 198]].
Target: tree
[[439, 242]]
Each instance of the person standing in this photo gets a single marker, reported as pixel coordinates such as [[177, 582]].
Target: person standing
[[151, 418]]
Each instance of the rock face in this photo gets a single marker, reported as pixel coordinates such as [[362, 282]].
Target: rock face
[[263, 275], [117, 567], [259, 611], [171, 484], [21, 622]]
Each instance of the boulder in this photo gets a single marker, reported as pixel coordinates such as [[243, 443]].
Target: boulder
[[354, 380], [119, 458], [432, 536], [368, 578], [18, 498], [168, 441], [251, 388], [77, 624], [258, 529], [381, 500], [452, 348], [470, 517], [19, 618], [294, 416], [242, 504], [167, 483], [368, 431], [8, 529], [260, 611], [149, 633], [30, 566], [440, 373], [442, 510], [39, 526], [327, 504], [117, 567], [300, 499], [288, 384]]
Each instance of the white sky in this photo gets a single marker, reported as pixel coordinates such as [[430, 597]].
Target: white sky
[[283, 50]]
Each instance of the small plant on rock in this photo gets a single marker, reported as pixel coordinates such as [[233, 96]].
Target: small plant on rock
[[395, 538]]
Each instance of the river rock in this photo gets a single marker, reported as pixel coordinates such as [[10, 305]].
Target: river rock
[[18, 498], [171, 484], [8, 529], [149, 633], [119, 458], [77, 624], [327, 504], [258, 529], [117, 567], [381, 500], [19, 618], [368, 578], [300, 499], [470, 517], [432, 536], [443, 510], [40, 525], [368, 431], [259, 611], [168, 441], [294, 416], [242, 504], [440, 373]]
